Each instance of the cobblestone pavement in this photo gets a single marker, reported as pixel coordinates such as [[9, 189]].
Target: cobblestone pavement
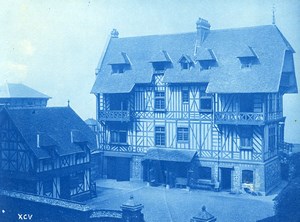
[[180, 205]]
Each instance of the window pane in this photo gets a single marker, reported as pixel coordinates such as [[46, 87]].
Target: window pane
[[159, 102], [185, 96], [159, 135], [182, 134], [247, 176]]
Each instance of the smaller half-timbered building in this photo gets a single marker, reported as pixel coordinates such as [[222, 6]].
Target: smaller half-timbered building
[[45, 151]]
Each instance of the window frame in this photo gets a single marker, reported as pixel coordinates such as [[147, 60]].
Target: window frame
[[185, 96], [160, 136], [118, 137], [250, 176], [246, 138], [182, 134], [159, 101], [206, 96]]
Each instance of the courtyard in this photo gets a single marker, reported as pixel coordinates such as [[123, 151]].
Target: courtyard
[[180, 205]]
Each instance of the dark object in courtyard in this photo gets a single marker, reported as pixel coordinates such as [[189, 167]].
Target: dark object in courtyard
[[203, 216]]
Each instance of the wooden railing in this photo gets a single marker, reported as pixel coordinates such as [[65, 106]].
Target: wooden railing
[[114, 115], [246, 118], [285, 147], [239, 118]]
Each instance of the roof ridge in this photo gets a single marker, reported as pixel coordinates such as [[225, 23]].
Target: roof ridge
[[193, 32], [244, 27]]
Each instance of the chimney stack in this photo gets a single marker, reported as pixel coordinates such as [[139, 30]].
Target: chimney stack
[[203, 28]]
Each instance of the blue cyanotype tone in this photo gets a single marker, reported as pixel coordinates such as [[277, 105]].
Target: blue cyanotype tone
[[189, 125]]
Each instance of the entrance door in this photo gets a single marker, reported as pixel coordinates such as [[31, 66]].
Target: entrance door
[[65, 187], [123, 169], [118, 168], [226, 178]]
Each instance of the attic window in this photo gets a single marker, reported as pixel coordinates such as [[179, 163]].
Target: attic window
[[186, 62], [247, 62], [120, 63], [159, 66], [206, 64], [161, 62], [247, 57], [206, 58], [118, 68]]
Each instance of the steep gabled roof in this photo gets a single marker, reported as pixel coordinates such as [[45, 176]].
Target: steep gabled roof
[[15, 90], [227, 44], [53, 127]]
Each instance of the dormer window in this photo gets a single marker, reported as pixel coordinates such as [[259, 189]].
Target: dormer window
[[120, 63], [247, 57], [206, 58], [186, 62], [117, 68], [159, 66], [161, 62]]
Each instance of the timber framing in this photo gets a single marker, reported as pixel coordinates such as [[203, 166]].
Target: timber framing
[[230, 113]]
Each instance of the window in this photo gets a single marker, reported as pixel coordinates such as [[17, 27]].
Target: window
[[247, 62], [206, 64], [272, 139], [185, 65], [160, 136], [205, 101], [118, 136], [159, 66], [159, 100], [185, 94], [246, 142], [47, 188], [205, 173], [118, 68], [247, 176], [182, 134], [246, 138], [257, 104]]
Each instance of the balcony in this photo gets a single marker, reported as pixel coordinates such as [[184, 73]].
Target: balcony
[[114, 115], [245, 118]]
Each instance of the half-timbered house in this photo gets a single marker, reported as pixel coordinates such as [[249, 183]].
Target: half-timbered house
[[204, 106], [45, 151], [20, 95]]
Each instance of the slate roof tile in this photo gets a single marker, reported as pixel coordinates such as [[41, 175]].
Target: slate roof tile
[[15, 90], [228, 77], [54, 125]]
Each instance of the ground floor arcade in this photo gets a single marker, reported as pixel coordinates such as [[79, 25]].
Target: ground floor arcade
[[173, 167]]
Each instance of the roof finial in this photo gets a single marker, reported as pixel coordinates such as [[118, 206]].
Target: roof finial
[[273, 17], [68, 103], [114, 33]]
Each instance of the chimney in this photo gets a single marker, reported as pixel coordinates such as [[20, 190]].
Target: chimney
[[203, 28], [114, 33]]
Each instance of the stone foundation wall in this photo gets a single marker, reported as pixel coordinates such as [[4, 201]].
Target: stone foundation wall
[[272, 175], [136, 168]]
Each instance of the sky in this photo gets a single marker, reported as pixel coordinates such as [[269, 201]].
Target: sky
[[54, 46]]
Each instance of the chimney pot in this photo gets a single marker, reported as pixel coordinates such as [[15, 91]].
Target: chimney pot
[[114, 33]]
